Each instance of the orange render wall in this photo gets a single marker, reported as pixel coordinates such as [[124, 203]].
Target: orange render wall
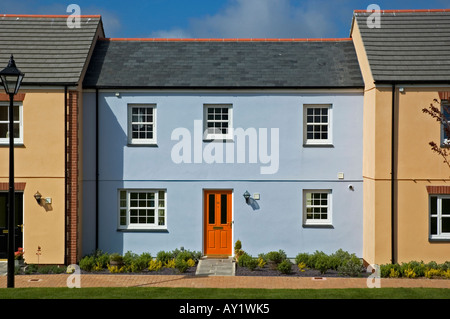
[[416, 167], [39, 163]]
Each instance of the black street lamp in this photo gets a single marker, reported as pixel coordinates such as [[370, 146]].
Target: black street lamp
[[11, 78]]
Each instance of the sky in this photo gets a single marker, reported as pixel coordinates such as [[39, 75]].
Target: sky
[[219, 18]]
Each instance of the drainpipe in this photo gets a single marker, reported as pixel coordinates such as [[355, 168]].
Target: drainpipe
[[96, 168], [65, 173], [393, 177]]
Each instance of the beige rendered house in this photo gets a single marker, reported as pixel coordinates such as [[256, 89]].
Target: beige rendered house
[[53, 54], [405, 61]]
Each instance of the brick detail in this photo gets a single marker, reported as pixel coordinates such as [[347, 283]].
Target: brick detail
[[72, 187], [438, 189], [18, 97], [17, 186]]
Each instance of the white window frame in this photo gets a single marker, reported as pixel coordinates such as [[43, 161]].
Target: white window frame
[[17, 140], [217, 136], [317, 222], [125, 208], [313, 141], [142, 141], [439, 234]]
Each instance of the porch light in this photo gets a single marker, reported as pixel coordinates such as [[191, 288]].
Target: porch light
[[38, 197], [11, 78], [246, 196]]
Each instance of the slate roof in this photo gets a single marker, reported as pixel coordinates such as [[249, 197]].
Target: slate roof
[[45, 48], [214, 63], [410, 46]]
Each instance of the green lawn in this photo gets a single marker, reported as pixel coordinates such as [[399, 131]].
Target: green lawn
[[213, 293]]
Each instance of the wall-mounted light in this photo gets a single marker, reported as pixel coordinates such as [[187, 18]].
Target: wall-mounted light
[[246, 196], [38, 197]]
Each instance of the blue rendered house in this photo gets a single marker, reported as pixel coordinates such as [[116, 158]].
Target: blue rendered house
[[175, 133]]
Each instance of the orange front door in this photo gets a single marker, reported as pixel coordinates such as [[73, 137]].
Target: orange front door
[[218, 222]]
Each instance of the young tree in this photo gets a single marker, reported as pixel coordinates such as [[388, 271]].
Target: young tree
[[443, 117]]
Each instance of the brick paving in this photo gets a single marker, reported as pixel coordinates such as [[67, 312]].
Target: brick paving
[[281, 282]]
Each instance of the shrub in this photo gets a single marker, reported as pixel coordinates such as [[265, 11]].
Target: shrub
[[390, 271], [261, 262], [251, 263], [322, 263], [302, 258], [154, 265], [115, 257], [276, 256], [164, 256], [311, 263], [301, 266], [191, 262], [116, 269], [181, 264], [351, 266], [87, 263], [285, 266], [242, 261], [170, 263]]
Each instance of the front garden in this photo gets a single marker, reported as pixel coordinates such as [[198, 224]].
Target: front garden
[[272, 263]]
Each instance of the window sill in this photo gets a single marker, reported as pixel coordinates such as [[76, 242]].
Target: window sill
[[18, 144], [143, 230], [327, 145], [142, 145], [318, 226], [439, 239]]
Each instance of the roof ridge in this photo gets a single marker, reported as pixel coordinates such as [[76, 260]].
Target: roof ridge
[[48, 16], [228, 39], [404, 11]]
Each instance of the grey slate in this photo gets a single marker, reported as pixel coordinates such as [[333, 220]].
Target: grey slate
[[409, 46], [223, 64], [45, 48]]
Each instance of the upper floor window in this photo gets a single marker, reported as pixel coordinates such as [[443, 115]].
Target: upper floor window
[[440, 216], [142, 124], [4, 123], [218, 121], [317, 124]]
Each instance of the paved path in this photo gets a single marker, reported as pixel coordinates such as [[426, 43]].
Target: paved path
[[211, 274]]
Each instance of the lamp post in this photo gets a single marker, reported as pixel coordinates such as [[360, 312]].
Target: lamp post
[[11, 78]]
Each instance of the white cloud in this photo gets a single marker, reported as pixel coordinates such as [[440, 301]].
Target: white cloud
[[261, 19]]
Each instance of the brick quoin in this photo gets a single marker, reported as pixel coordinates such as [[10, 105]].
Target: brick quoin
[[72, 179]]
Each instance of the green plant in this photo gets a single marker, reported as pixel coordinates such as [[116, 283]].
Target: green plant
[[87, 263], [261, 262], [301, 266], [242, 261], [322, 263], [237, 245], [154, 265], [116, 258], [251, 263], [302, 258], [181, 264], [191, 262], [170, 263], [351, 266], [285, 266], [164, 256], [276, 256]]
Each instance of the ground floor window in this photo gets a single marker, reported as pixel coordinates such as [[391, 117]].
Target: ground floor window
[[142, 209], [317, 207], [440, 216]]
